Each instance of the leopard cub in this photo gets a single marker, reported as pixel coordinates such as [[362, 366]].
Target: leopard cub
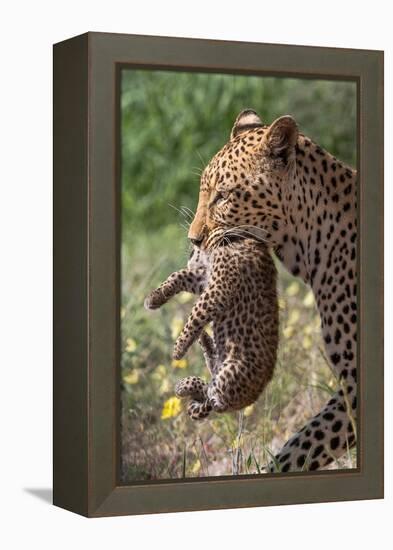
[[237, 287]]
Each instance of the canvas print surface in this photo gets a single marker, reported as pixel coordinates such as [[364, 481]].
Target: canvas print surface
[[238, 262]]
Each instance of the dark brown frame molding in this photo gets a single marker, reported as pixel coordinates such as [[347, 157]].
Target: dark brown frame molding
[[87, 275]]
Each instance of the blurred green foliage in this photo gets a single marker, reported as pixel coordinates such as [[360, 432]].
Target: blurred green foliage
[[171, 125]]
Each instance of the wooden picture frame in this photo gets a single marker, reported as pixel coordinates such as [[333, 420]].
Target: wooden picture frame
[[86, 274]]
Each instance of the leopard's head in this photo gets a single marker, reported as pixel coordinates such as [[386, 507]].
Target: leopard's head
[[243, 186]]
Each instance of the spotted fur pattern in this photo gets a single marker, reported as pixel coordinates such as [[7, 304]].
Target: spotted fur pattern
[[237, 286], [276, 183]]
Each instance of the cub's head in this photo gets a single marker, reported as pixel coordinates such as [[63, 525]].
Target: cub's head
[[242, 188]]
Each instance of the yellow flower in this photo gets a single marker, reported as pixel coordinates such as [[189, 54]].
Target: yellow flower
[[130, 345], [293, 288], [309, 299], [281, 303], [294, 317], [287, 332], [184, 297], [179, 363], [307, 342], [132, 377], [196, 467], [248, 410], [176, 327], [165, 386], [159, 372], [171, 408], [237, 442]]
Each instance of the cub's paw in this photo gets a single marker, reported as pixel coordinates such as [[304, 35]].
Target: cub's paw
[[179, 349], [154, 300], [191, 386], [199, 411]]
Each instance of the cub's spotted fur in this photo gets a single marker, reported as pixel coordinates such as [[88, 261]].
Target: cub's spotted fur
[[237, 286]]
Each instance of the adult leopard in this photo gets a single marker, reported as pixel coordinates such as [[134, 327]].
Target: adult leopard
[[278, 184]]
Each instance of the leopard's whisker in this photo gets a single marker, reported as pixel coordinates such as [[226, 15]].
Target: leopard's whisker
[[247, 226], [188, 209], [196, 171], [244, 232], [243, 229], [187, 215], [201, 158], [228, 243], [218, 240], [175, 208], [178, 210]]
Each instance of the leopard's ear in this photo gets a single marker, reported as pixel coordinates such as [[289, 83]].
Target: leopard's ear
[[281, 137], [245, 121]]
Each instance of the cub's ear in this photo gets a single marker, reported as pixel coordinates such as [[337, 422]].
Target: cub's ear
[[282, 136], [245, 121]]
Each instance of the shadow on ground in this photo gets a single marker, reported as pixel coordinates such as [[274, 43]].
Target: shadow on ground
[[43, 494]]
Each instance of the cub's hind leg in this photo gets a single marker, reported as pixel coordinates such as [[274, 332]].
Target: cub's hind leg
[[212, 300], [209, 351], [192, 386], [225, 391]]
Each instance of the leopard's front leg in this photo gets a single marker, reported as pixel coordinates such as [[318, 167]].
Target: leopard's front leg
[[183, 280], [324, 438]]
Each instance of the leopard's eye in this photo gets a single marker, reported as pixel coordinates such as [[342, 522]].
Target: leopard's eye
[[219, 198]]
